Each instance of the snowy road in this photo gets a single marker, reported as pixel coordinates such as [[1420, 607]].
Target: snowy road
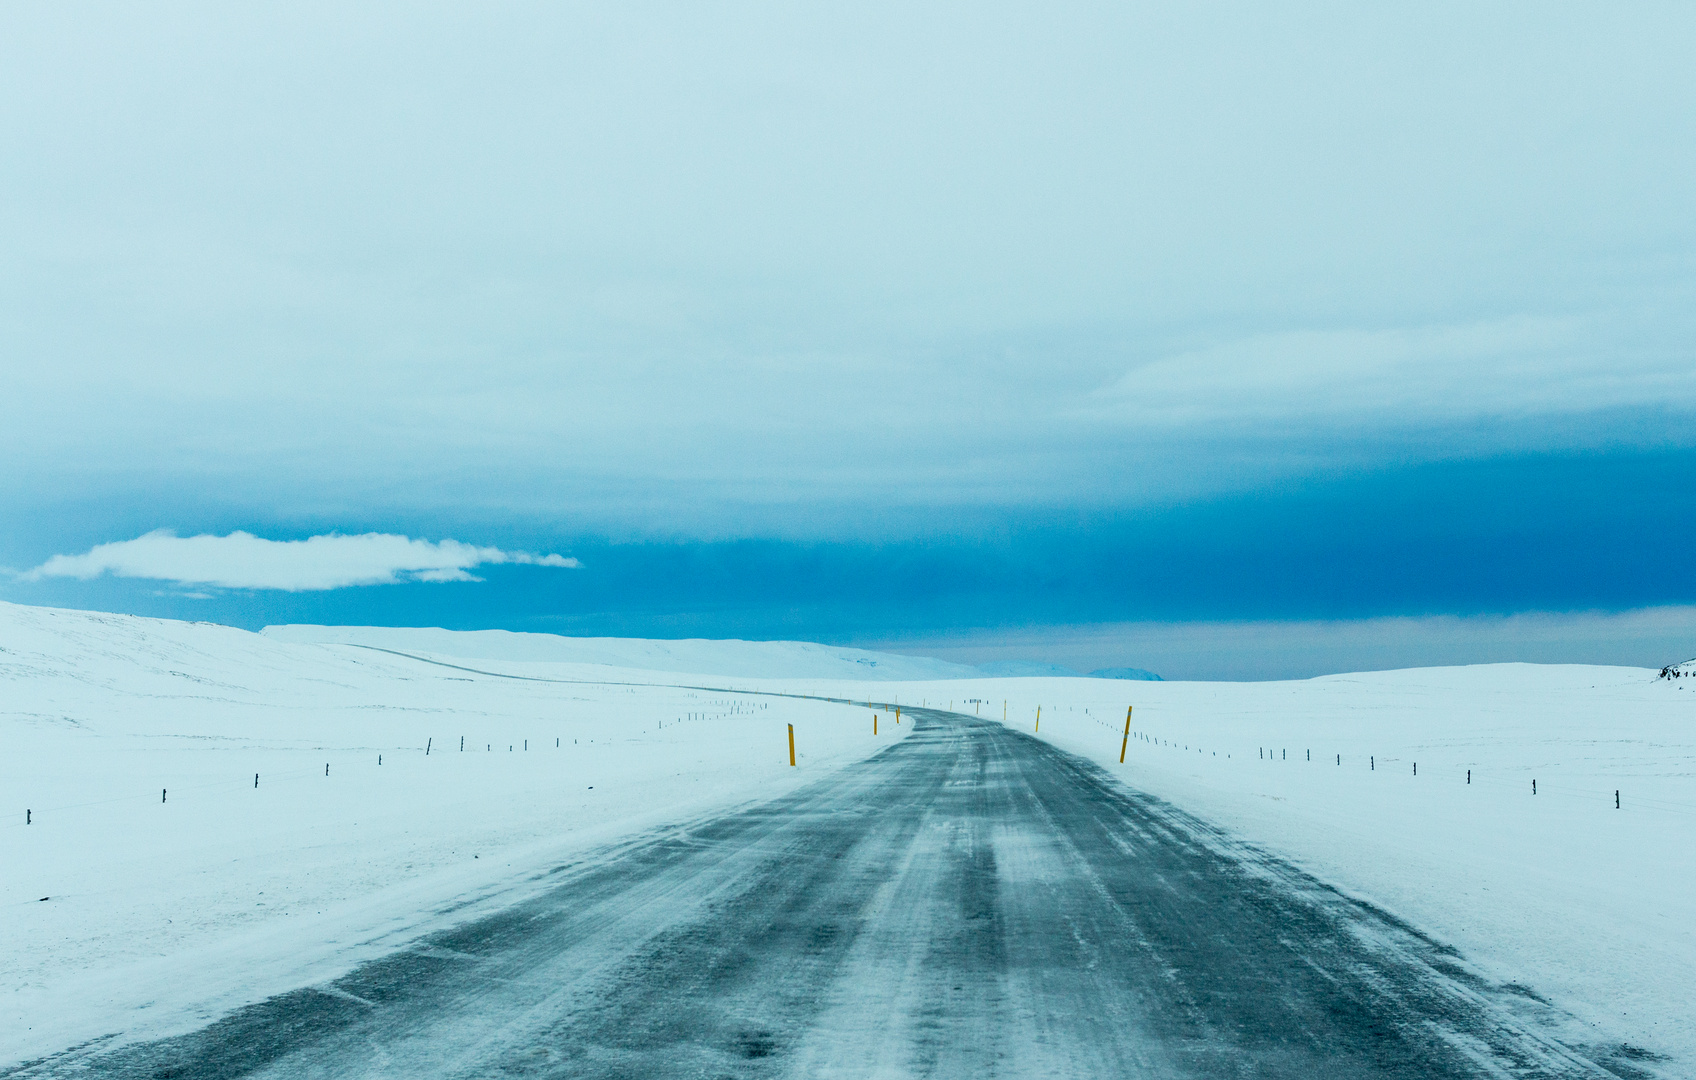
[[969, 902]]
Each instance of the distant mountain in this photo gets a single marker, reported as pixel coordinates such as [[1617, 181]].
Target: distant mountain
[[1020, 669], [1125, 673]]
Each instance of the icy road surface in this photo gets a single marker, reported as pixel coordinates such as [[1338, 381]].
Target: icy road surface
[[969, 902]]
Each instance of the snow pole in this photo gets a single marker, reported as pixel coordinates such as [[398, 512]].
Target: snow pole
[[427, 743], [874, 723], [255, 779], [1038, 719], [1126, 741], [791, 745]]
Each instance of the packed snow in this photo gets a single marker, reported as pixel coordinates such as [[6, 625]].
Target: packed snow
[[132, 915]]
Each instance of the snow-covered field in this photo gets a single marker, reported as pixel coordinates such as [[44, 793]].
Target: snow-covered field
[[160, 915], [123, 911]]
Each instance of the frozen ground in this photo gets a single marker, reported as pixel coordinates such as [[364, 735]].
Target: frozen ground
[[161, 917]]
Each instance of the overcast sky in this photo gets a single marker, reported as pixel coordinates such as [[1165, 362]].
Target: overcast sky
[[849, 322]]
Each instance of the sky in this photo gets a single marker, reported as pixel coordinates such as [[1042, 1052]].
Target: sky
[[1076, 329]]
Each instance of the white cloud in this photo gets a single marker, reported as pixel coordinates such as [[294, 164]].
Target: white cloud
[[1405, 377], [244, 561]]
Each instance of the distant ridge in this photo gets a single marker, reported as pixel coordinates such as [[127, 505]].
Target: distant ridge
[[1126, 673], [1022, 669], [745, 659]]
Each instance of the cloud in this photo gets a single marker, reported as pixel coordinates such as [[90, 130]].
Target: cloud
[[244, 561], [1407, 377]]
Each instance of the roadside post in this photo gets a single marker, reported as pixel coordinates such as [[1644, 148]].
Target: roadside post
[[1126, 741]]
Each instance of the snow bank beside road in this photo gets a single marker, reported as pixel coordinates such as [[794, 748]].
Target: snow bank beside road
[[161, 915], [1557, 891]]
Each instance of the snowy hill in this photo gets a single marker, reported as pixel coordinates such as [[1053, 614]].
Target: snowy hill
[[1027, 669], [1135, 674], [742, 659]]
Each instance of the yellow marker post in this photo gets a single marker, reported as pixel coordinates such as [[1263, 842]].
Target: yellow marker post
[[791, 744], [1126, 741], [874, 723], [897, 714], [1039, 718]]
